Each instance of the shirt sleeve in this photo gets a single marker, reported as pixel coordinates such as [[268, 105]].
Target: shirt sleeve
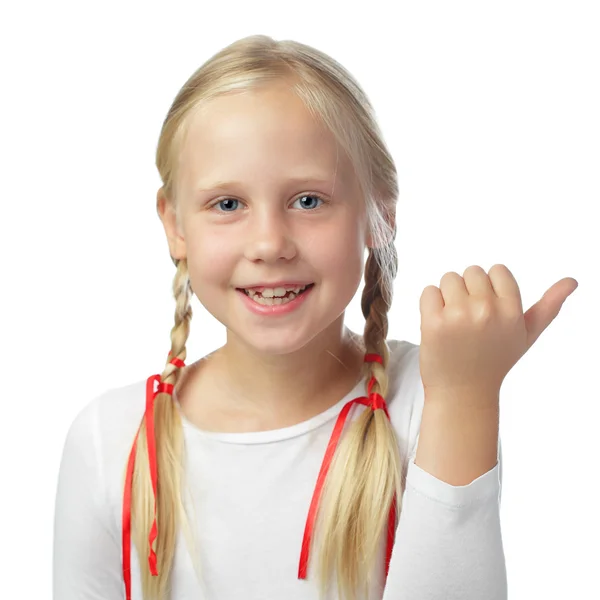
[[448, 540], [87, 553]]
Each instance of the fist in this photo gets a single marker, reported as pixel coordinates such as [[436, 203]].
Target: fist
[[473, 329]]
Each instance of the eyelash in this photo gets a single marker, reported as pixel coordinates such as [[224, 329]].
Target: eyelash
[[323, 200]]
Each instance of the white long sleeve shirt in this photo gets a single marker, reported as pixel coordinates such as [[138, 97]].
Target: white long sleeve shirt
[[249, 494]]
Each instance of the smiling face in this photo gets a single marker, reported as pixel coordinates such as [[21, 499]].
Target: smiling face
[[263, 198]]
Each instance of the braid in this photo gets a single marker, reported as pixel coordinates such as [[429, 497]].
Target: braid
[[375, 304], [170, 449], [365, 472], [182, 292]]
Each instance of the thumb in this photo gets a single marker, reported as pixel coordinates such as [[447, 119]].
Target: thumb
[[546, 309]]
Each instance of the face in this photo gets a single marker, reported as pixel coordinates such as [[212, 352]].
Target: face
[[261, 201]]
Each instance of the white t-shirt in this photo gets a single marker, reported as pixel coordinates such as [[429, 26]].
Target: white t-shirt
[[251, 493]]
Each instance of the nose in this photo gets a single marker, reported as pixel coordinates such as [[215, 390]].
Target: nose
[[269, 236]]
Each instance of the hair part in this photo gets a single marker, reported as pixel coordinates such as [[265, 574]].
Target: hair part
[[366, 470]]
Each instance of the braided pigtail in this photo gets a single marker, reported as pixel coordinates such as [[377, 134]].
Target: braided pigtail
[[169, 449], [365, 472]]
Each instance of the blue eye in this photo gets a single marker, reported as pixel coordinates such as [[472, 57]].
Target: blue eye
[[220, 202], [229, 201], [311, 196]]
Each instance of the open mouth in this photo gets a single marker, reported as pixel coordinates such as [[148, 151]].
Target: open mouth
[[276, 297]]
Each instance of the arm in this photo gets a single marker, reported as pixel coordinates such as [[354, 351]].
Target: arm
[[458, 441], [87, 555], [448, 541]]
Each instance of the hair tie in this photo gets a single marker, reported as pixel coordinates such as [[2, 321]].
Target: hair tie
[[166, 388], [177, 362], [374, 358], [376, 400]]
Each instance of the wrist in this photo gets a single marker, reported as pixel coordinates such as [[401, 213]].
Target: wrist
[[458, 438], [468, 398]]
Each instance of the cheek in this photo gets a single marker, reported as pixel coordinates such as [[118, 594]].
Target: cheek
[[209, 259], [340, 257]]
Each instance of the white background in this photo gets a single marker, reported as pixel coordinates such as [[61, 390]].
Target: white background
[[491, 111]]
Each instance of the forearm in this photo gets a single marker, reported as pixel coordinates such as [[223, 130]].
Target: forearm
[[458, 439]]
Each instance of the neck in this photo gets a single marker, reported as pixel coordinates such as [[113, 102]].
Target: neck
[[300, 384]]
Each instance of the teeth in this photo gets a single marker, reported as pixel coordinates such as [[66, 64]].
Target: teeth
[[272, 301], [272, 296], [274, 292]]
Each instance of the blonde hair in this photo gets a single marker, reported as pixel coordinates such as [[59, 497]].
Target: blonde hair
[[366, 470]]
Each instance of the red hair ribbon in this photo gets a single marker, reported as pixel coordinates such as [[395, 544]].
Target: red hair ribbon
[[150, 435], [374, 401]]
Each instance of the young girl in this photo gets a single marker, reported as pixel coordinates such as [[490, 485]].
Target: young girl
[[282, 465]]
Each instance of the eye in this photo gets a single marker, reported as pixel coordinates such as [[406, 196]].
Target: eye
[[313, 196], [228, 201], [230, 204]]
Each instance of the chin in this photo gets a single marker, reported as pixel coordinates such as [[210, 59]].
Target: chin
[[277, 341]]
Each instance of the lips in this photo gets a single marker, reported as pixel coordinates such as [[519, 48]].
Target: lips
[[272, 307], [286, 285]]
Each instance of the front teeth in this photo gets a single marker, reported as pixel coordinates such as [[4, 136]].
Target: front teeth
[[270, 296]]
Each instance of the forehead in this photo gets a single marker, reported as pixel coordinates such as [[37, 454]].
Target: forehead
[[260, 132]]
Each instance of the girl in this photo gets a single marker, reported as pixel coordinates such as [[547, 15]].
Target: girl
[[284, 465]]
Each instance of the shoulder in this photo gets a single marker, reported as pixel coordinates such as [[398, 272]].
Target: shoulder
[[404, 375], [101, 434], [112, 414], [88, 502], [403, 367], [405, 393]]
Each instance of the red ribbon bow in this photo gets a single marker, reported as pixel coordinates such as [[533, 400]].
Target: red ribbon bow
[[375, 401]]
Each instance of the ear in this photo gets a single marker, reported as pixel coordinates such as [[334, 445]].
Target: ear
[[166, 212]]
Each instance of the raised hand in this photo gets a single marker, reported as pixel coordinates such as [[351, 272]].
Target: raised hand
[[473, 329]]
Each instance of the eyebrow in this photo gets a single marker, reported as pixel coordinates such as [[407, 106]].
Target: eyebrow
[[222, 185]]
